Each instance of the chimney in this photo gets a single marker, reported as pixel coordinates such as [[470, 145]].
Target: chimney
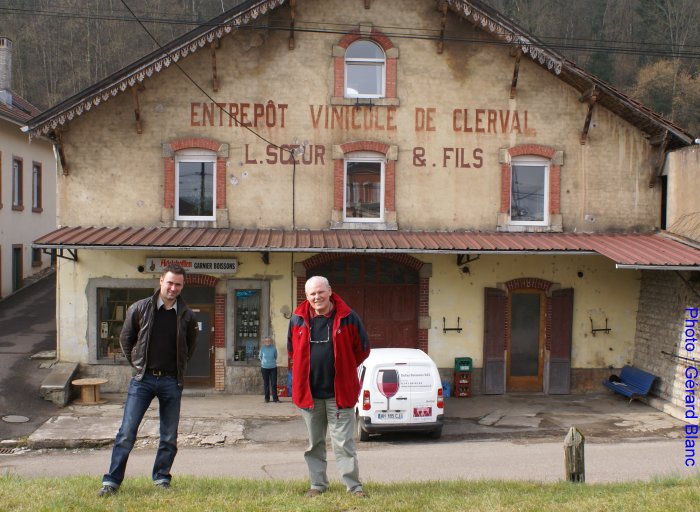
[[6, 71]]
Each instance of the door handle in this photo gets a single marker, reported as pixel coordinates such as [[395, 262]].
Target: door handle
[[211, 349]]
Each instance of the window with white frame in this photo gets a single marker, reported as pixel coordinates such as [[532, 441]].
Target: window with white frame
[[529, 191], [195, 185], [365, 70], [364, 188]]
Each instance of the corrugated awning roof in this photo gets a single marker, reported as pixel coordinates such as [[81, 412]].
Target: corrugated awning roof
[[626, 250]]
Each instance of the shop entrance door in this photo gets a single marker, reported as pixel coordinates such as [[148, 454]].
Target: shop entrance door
[[200, 368], [525, 343]]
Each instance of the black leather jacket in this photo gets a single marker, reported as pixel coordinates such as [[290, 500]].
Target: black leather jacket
[[136, 334]]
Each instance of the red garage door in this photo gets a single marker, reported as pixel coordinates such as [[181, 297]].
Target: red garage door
[[382, 291]]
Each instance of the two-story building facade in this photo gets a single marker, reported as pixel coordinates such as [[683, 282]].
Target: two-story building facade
[[467, 190], [27, 186]]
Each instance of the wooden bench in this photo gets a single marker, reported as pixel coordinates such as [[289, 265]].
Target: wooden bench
[[632, 383]]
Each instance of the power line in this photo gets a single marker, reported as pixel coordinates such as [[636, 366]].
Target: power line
[[398, 32], [201, 89]]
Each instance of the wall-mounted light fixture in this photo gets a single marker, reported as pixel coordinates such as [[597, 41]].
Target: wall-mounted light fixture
[[463, 261]]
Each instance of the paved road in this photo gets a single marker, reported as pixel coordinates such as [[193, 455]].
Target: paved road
[[401, 460], [27, 326]]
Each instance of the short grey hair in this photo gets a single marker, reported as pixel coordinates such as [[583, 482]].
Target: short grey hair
[[317, 278]]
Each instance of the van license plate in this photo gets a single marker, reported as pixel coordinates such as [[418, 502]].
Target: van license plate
[[390, 415]]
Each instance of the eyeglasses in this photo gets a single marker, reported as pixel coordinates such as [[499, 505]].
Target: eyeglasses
[[328, 336]]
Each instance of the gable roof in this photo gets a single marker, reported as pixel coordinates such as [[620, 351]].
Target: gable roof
[[20, 112], [482, 16]]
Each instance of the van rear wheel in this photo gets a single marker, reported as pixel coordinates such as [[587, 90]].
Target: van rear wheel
[[362, 434]]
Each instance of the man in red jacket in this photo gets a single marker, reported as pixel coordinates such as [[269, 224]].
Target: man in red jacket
[[326, 343]]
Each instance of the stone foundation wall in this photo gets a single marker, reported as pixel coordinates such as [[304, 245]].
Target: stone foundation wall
[[659, 345]]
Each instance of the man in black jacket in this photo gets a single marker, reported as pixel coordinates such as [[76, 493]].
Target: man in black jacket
[[157, 338]]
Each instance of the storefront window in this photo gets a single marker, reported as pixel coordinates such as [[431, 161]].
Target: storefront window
[[112, 304], [248, 325]]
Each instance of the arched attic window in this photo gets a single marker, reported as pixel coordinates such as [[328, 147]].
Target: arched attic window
[[365, 70], [365, 65]]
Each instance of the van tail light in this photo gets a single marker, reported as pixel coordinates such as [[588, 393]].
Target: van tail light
[[440, 400], [366, 406]]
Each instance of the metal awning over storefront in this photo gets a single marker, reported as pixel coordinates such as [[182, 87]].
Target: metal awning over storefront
[[636, 251]]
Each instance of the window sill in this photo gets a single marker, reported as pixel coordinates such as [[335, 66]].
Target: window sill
[[37, 210], [378, 226], [554, 226], [366, 102], [18, 207]]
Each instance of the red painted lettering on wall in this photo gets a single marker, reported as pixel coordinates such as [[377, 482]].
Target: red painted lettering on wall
[[251, 115], [347, 117], [490, 121], [425, 119], [282, 155], [460, 159]]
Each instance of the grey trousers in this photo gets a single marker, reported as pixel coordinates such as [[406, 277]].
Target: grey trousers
[[326, 417]]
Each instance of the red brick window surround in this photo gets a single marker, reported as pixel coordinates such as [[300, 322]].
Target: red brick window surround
[[170, 150], [343, 152], [391, 53], [554, 159]]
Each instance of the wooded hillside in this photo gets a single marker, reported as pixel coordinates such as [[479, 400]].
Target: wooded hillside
[[649, 49]]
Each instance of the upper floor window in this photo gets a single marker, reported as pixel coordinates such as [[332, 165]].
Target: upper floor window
[[195, 185], [364, 188], [529, 191], [17, 203], [365, 70], [36, 187]]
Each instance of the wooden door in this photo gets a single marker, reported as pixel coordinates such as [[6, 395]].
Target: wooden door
[[382, 292], [200, 368], [560, 336]]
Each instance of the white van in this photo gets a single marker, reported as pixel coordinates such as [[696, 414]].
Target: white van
[[400, 391]]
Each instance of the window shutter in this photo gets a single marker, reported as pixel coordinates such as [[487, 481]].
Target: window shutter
[[494, 371], [560, 351]]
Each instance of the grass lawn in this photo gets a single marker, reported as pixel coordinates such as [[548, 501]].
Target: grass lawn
[[213, 494]]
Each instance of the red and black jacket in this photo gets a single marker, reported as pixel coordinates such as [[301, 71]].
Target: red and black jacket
[[350, 348]]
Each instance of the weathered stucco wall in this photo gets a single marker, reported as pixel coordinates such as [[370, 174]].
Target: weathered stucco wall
[[454, 115], [683, 210], [601, 292]]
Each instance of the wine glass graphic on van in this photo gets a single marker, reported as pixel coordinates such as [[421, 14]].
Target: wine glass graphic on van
[[388, 383]]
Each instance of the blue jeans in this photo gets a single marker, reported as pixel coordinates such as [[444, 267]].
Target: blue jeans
[[141, 394], [269, 376]]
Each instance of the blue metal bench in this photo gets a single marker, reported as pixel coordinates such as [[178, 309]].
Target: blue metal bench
[[633, 383]]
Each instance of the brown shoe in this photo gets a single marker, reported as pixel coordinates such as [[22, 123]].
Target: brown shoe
[[312, 493], [359, 494]]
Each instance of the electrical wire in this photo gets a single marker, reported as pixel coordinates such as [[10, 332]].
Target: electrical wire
[[201, 89], [580, 44], [292, 152]]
